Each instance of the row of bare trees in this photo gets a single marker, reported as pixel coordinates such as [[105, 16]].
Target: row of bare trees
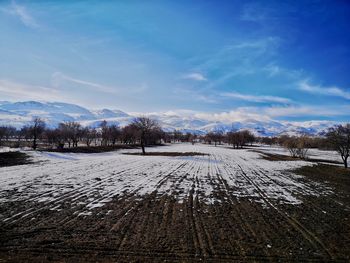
[[339, 137], [142, 130], [336, 138], [297, 146], [237, 139], [145, 131]]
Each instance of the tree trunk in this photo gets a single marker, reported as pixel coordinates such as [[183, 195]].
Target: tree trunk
[[34, 143], [346, 162], [143, 145]]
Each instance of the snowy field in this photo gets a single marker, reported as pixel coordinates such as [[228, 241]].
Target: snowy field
[[91, 180], [223, 206], [311, 153]]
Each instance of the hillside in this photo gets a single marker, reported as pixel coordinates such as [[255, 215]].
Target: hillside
[[19, 114]]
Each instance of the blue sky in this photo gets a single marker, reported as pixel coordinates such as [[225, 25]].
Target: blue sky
[[285, 60]]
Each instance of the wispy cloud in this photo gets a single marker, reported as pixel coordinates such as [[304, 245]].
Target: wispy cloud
[[194, 95], [23, 14], [252, 98], [195, 76], [329, 91], [239, 114], [58, 78], [20, 91], [275, 70], [262, 44], [305, 110], [271, 113], [239, 58]]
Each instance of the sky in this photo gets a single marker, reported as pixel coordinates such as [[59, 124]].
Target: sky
[[283, 60]]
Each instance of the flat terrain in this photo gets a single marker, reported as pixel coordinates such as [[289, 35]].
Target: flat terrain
[[229, 205], [13, 158]]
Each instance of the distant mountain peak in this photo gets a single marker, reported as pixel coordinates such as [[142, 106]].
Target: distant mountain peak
[[21, 113]]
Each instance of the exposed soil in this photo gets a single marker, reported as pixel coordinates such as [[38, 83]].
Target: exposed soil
[[280, 157], [157, 227], [337, 177], [276, 157], [92, 149], [14, 158], [153, 229], [173, 154]]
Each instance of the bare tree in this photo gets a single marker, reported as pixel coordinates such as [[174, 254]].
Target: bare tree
[[71, 132], [291, 144], [36, 129], [248, 137], [104, 133], [339, 137], [144, 126], [129, 134], [6, 132], [177, 135], [216, 136], [239, 139], [297, 146], [88, 135], [2, 133], [114, 133], [303, 146]]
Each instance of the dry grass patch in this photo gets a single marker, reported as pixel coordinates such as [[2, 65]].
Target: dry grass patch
[[337, 176], [173, 154], [14, 158]]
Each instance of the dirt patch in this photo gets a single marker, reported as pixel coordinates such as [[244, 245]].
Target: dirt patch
[[155, 228], [177, 219], [280, 157], [276, 157], [93, 149], [151, 229], [337, 177], [14, 158], [173, 154]]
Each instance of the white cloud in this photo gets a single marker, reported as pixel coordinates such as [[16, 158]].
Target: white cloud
[[242, 114], [58, 78], [258, 44], [239, 114], [301, 111], [195, 76], [252, 98], [275, 70], [19, 91], [22, 13], [330, 91]]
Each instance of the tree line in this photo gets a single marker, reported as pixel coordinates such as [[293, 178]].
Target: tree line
[[142, 131], [145, 131]]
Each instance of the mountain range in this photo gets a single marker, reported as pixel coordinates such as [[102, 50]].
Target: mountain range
[[18, 114]]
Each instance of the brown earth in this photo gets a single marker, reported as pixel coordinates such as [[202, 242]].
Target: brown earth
[[14, 158], [156, 228], [173, 154], [280, 157]]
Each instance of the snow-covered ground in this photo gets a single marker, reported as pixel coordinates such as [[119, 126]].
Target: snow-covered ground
[[91, 180], [311, 153]]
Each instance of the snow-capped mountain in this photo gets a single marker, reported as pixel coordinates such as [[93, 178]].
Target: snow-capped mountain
[[18, 114]]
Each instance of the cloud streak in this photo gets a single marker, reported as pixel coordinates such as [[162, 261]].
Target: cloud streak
[[21, 91], [252, 98], [330, 91], [22, 13], [58, 78], [195, 76]]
